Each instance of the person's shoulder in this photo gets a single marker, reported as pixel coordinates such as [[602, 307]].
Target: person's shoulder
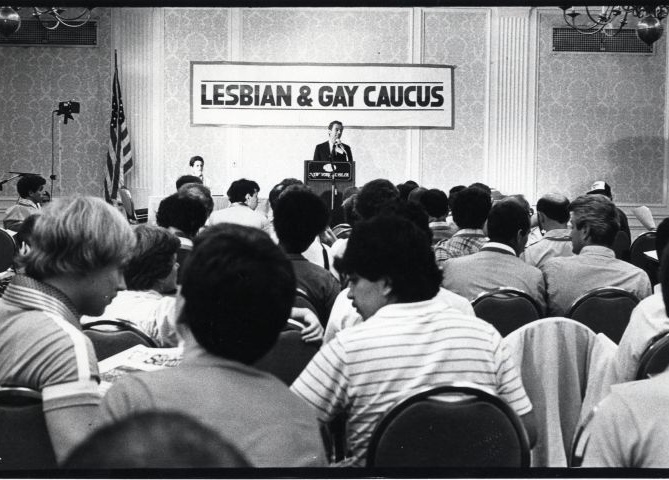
[[556, 263]]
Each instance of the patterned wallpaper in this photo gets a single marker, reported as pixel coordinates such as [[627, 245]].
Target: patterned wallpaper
[[192, 34], [32, 82], [600, 117], [453, 157]]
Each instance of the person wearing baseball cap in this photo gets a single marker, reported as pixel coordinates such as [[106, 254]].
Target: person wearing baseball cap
[[600, 187]]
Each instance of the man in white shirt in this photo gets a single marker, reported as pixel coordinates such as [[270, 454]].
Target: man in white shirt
[[243, 196], [31, 191]]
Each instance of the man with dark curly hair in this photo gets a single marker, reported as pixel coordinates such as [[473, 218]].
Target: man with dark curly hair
[[394, 280], [31, 192]]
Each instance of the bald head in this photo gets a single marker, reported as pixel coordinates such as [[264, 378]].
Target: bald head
[[553, 209]]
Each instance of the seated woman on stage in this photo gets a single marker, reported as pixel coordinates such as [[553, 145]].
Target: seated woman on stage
[[150, 277]]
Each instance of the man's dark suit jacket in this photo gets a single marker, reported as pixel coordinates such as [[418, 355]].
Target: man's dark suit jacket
[[322, 153]]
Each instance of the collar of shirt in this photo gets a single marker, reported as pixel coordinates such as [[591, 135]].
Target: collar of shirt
[[473, 232], [196, 354], [559, 234], [496, 246], [31, 294], [405, 310], [597, 251], [296, 256], [26, 202]]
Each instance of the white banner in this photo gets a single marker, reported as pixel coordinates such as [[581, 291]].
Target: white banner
[[312, 95]]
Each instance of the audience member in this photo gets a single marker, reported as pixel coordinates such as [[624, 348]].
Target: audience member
[[365, 370], [661, 237], [594, 227], [298, 217], [337, 216], [648, 321], [405, 189], [155, 440], [602, 188], [535, 232], [151, 280], [31, 190], [482, 186], [552, 216], [243, 195], [629, 429], [497, 264], [416, 195], [470, 210], [183, 216], [435, 202], [73, 268], [238, 289], [184, 179], [199, 192], [318, 252], [23, 236], [344, 314], [374, 196]]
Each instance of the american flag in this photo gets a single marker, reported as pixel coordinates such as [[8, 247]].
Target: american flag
[[119, 154]]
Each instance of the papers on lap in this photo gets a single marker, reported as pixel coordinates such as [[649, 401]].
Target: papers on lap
[[136, 359]]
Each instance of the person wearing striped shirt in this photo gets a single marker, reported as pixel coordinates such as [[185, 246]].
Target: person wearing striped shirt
[[408, 342], [73, 268]]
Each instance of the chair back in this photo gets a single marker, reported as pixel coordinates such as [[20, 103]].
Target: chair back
[[506, 308], [656, 357], [453, 425], [7, 250], [605, 310], [24, 438], [643, 243], [289, 355], [110, 337], [580, 442]]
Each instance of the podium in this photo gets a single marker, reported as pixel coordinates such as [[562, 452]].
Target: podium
[[322, 176]]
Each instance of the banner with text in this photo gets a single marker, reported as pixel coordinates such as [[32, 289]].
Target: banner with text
[[312, 95]]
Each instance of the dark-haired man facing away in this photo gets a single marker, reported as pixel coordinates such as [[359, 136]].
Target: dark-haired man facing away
[[497, 263], [238, 289], [365, 370], [300, 215], [470, 210], [553, 216]]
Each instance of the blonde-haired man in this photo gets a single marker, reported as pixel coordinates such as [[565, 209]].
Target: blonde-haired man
[[74, 267]]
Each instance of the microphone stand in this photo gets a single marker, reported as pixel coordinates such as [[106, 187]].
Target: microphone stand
[[333, 184]]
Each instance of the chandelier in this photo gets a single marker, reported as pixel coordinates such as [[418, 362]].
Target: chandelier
[[610, 20], [49, 18]]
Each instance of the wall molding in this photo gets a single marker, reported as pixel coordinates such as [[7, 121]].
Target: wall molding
[[511, 166]]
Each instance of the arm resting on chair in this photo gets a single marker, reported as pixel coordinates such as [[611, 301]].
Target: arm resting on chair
[[70, 416]]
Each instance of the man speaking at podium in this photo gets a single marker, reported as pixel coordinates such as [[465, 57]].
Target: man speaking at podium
[[333, 150]]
